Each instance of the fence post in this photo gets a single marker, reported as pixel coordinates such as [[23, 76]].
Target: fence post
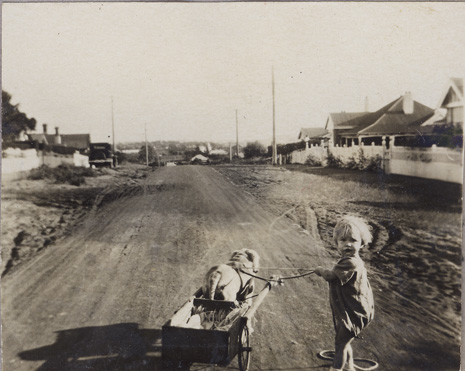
[[383, 161]]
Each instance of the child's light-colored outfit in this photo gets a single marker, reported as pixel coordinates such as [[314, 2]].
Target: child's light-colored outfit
[[351, 297]]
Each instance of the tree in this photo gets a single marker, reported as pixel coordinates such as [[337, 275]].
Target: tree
[[14, 122], [254, 149], [152, 153]]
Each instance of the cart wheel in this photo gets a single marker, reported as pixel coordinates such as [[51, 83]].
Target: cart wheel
[[244, 349]]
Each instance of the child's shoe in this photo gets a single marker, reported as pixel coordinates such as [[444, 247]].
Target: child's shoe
[[335, 369]]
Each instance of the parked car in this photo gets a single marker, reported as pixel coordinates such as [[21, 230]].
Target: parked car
[[101, 154]]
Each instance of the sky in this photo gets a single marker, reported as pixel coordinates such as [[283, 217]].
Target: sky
[[181, 71]]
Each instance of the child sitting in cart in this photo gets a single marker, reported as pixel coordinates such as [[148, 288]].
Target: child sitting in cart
[[351, 297]]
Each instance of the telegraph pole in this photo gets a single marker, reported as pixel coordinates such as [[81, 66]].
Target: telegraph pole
[[237, 136], [146, 147], [274, 149], [113, 133]]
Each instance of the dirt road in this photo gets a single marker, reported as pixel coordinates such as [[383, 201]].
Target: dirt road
[[97, 299]]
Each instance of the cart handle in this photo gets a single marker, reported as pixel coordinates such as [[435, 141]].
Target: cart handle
[[277, 279]]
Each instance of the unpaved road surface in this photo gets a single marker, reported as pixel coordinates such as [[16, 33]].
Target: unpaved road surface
[[98, 298]]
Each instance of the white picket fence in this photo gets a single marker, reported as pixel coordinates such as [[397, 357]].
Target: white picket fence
[[313, 152], [346, 154], [438, 163]]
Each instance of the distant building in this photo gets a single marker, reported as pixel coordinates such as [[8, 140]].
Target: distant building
[[46, 138], [312, 134], [78, 141]]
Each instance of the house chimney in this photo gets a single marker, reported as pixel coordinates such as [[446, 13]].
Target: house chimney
[[366, 104], [45, 128], [57, 136], [407, 103]]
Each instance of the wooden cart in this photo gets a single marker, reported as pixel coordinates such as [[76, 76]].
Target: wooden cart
[[182, 346]]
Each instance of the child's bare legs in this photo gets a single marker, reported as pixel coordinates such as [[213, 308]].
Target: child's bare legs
[[343, 354], [350, 358]]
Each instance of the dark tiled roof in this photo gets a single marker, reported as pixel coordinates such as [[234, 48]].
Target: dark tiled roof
[[389, 119], [397, 123], [341, 118], [367, 119]]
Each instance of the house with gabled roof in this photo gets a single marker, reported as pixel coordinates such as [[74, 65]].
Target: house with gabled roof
[[453, 101], [450, 109], [44, 137], [312, 133], [340, 121], [401, 117], [448, 117], [78, 141]]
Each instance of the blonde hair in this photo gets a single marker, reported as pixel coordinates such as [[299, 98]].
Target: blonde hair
[[350, 224]]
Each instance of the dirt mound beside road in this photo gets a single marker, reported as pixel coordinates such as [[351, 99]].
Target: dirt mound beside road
[[36, 213]]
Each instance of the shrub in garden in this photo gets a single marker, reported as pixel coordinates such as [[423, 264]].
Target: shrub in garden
[[374, 164], [362, 162], [70, 174], [254, 149], [352, 164], [312, 160], [334, 161], [358, 162]]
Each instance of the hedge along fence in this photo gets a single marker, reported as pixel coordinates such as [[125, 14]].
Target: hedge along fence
[[287, 149]]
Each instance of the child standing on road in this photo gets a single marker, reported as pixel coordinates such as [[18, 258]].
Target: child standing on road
[[351, 297]]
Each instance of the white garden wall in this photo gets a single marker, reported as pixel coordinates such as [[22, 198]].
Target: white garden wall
[[432, 163], [17, 161], [438, 163]]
